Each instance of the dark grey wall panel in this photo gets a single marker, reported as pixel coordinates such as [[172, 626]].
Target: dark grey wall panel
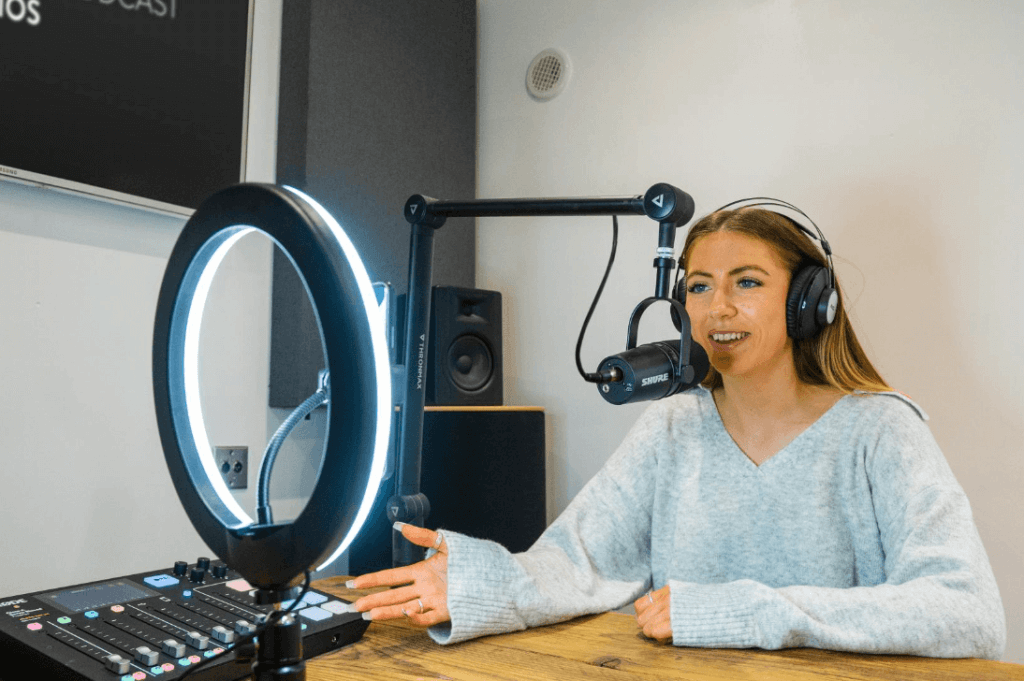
[[378, 102]]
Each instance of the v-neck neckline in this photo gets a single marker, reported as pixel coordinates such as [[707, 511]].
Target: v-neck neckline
[[748, 463]]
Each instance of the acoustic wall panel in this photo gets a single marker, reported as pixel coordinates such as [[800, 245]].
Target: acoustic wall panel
[[378, 102]]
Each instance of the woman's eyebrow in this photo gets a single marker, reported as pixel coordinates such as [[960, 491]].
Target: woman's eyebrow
[[733, 272]]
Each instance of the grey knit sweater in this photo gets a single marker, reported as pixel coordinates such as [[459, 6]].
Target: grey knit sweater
[[856, 537]]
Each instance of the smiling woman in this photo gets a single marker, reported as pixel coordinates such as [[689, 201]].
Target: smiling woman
[[833, 356], [792, 500]]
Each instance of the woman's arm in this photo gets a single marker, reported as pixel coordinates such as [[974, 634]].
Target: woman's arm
[[593, 558]]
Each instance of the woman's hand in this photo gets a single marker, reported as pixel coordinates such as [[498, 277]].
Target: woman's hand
[[653, 614], [422, 595]]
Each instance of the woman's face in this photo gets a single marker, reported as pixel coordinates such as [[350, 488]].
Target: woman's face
[[736, 288]]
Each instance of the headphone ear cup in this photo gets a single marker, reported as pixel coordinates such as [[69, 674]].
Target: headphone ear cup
[[678, 293], [808, 288]]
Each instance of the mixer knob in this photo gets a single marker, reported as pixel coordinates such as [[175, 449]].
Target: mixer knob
[[203, 563], [220, 570], [197, 575], [180, 568]]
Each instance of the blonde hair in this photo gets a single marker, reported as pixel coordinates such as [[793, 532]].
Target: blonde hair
[[833, 356]]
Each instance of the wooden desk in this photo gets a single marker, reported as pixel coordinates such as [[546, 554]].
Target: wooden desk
[[610, 646]]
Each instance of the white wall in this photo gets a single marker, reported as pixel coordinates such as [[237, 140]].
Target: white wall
[[85, 490], [895, 125]]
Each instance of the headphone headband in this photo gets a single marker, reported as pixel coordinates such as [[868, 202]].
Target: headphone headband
[[756, 201]]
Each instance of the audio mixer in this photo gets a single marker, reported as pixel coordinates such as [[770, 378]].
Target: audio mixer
[[154, 625]]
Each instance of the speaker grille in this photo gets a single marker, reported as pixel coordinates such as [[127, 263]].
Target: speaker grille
[[548, 74]]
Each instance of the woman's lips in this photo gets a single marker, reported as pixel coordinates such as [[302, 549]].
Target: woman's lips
[[727, 340]]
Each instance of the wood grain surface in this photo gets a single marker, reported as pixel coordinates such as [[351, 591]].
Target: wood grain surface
[[610, 646]]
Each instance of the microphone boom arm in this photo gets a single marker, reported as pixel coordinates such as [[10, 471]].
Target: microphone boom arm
[[663, 203]]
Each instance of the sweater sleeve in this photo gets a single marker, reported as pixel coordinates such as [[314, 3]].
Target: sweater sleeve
[[939, 597], [595, 557]]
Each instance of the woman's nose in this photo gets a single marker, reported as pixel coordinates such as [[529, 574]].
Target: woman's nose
[[721, 305]]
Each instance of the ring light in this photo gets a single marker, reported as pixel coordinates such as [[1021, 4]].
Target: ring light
[[359, 412]]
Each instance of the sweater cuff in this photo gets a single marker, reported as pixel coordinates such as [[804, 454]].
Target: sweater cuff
[[712, 616], [482, 576]]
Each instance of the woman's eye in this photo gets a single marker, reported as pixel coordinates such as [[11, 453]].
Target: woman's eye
[[697, 288], [748, 282]]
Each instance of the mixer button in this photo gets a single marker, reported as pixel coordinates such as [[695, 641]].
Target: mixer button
[[160, 581], [313, 598], [316, 614], [337, 607]]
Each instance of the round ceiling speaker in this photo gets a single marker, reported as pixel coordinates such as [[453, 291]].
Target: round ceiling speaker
[[548, 74]]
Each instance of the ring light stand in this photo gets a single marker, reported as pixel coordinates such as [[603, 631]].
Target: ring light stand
[[274, 557]]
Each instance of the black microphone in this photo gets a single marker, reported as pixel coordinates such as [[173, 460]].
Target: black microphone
[[651, 372]]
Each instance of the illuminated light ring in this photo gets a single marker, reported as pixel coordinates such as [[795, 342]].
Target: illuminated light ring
[[359, 413]]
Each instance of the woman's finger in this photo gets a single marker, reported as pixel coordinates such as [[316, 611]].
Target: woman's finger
[[389, 597], [392, 577], [388, 612], [421, 536], [412, 609], [641, 604], [429, 618]]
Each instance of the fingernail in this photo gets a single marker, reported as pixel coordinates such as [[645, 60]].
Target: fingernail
[[368, 617], [348, 607], [398, 526], [350, 584]]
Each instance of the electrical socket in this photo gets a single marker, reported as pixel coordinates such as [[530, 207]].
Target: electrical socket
[[233, 464]]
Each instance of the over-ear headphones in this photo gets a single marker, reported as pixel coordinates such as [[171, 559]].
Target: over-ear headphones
[[812, 300]]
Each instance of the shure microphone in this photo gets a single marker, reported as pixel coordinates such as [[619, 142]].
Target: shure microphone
[[651, 372]]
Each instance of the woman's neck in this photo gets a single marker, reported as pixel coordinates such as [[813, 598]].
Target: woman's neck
[[764, 416], [778, 396]]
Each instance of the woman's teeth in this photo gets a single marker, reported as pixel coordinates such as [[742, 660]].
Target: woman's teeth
[[727, 337]]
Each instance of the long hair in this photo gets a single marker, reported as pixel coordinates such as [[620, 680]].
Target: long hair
[[833, 356]]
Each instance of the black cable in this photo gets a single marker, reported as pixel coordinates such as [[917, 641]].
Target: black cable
[[599, 377], [272, 618]]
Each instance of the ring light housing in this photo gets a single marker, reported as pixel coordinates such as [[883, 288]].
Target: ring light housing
[[358, 415]]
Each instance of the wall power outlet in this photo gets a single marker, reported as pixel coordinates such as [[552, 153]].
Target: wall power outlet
[[233, 464]]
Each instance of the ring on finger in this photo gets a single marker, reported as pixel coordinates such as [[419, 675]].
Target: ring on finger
[[438, 540], [421, 606], [650, 597]]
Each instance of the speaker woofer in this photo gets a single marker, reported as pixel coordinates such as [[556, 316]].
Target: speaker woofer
[[470, 363]]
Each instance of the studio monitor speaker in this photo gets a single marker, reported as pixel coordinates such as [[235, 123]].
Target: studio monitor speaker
[[464, 365]]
